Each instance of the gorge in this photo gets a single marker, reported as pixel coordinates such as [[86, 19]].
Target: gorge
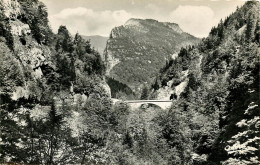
[[157, 95]]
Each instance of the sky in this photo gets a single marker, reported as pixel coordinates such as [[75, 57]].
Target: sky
[[99, 17]]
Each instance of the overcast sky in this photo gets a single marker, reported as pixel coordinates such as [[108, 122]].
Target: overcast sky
[[98, 17]]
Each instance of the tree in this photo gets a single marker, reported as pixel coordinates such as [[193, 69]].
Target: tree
[[53, 132], [64, 40], [176, 132], [251, 26], [221, 30], [144, 94], [156, 85]]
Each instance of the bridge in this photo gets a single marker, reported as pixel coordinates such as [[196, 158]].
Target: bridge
[[164, 104]]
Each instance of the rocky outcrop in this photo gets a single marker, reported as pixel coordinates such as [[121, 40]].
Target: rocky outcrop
[[30, 55], [28, 50], [165, 92], [25, 31], [174, 27], [110, 60], [11, 9]]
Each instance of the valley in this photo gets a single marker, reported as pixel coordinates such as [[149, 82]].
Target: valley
[[155, 95]]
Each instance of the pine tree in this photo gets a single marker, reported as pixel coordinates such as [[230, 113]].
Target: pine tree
[[156, 86], [221, 30], [144, 94], [251, 26], [53, 134]]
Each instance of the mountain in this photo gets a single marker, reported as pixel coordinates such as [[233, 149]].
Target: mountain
[[215, 90], [98, 42], [137, 50]]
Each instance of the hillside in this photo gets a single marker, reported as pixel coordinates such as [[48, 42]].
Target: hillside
[[216, 85], [98, 42], [45, 81], [137, 50]]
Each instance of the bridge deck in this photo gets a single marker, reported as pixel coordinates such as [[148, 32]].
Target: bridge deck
[[164, 104], [147, 101]]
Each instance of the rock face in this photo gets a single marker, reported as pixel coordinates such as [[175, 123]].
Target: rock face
[[137, 50], [11, 9], [29, 46], [165, 92], [30, 55], [29, 51]]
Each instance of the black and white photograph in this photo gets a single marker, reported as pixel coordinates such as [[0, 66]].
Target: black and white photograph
[[129, 82]]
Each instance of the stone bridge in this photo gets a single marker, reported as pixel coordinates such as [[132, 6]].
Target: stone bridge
[[134, 104]]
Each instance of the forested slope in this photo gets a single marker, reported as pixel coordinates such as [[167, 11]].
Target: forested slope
[[220, 96], [45, 78]]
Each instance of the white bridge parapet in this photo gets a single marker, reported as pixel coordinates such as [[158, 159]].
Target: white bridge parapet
[[164, 104]]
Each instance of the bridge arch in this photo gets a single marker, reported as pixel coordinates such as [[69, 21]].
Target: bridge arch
[[134, 104]]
